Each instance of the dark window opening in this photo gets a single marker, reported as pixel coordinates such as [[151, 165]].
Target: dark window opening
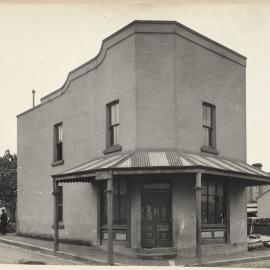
[[213, 209], [114, 124], [58, 142], [209, 126], [119, 203], [60, 204]]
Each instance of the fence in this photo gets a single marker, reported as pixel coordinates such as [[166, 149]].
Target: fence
[[258, 226]]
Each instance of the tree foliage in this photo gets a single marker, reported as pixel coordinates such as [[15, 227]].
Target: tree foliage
[[8, 182]]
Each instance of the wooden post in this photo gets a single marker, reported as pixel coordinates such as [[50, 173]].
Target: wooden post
[[55, 217], [198, 189], [110, 220]]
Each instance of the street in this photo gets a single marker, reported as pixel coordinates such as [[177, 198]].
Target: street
[[255, 264], [16, 255]]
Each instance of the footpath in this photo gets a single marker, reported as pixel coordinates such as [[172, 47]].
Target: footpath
[[96, 256]]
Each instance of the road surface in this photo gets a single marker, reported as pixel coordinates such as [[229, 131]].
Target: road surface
[[16, 255], [254, 264]]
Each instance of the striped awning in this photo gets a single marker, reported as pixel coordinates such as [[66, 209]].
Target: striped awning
[[166, 159]]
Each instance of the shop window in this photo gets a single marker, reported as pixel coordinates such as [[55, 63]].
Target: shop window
[[119, 203], [213, 210]]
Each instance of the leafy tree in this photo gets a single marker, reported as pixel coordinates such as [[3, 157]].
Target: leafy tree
[[8, 182]]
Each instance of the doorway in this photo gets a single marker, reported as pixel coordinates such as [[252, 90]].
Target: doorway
[[156, 215]]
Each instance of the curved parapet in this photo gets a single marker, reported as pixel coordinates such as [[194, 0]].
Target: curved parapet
[[160, 27]]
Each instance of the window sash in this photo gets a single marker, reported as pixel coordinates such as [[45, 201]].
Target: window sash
[[114, 134], [59, 151], [119, 203], [208, 137], [207, 115], [213, 210], [58, 142], [113, 124], [209, 125], [59, 136]]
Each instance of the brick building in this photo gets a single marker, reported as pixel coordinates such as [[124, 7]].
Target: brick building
[[159, 111]]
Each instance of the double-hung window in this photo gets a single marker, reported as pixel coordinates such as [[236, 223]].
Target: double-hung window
[[58, 142], [209, 127], [113, 127], [114, 123]]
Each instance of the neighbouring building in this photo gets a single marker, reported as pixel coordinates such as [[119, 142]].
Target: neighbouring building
[[159, 114], [253, 193], [263, 201]]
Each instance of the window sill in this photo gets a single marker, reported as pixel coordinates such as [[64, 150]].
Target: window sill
[[58, 162], [213, 226], [115, 227], [209, 150], [60, 225], [113, 148]]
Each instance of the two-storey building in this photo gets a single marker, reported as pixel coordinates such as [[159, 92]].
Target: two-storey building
[[159, 113]]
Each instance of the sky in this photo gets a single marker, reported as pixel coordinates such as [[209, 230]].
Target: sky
[[42, 40]]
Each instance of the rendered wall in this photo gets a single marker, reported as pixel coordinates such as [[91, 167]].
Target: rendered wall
[[161, 81], [135, 187], [82, 109], [238, 215], [155, 84], [173, 77], [184, 218], [184, 215], [202, 75], [263, 205]]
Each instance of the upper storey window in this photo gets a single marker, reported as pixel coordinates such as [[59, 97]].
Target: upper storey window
[[58, 144], [114, 123], [113, 127], [209, 128]]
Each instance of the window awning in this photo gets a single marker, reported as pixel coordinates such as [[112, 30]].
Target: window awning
[[170, 161]]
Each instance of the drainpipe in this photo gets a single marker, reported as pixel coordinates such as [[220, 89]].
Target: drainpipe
[[110, 220]]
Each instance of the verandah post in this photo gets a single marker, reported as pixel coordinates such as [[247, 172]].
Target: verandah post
[[110, 220], [55, 216], [198, 190]]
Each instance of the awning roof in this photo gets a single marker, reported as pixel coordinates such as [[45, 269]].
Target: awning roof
[[171, 159]]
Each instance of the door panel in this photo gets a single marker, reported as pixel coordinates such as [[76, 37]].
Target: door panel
[[156, 217]]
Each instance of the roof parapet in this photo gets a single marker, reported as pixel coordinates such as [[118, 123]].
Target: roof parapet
[[144, 26]]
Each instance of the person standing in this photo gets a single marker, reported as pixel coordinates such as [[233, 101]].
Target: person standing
[[4, 220]]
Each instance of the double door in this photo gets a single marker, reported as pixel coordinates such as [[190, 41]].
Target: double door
[[156, 215]]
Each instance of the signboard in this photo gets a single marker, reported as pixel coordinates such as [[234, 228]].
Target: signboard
[[104, 175]]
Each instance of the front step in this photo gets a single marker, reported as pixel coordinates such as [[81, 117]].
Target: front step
[[156, 253]]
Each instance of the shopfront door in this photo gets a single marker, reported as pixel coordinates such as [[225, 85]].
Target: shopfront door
[[156, 215]]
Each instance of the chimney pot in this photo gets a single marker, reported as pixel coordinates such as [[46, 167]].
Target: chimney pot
[[257, 165]]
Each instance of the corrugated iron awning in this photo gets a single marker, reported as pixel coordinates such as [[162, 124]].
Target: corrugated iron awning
[[171, 159]]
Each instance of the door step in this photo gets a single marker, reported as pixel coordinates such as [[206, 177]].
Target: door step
[[156, 253]]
